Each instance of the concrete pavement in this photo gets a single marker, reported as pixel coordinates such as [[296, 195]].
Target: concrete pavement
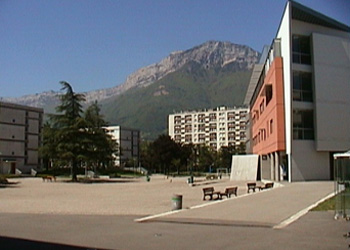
[[275, 207], [316, 230], [246, 222]]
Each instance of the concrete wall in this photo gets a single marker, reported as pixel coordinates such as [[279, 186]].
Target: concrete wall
[[244, 167], [14, 116], [33, 126], [33, 142], [309, 160], [308, 164], [331, 64], [284, 34], [12, 148], [32, 157], [265, 167], [9, 132], [18, 125]]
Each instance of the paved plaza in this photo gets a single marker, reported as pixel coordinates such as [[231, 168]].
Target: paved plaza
[[136, 214]]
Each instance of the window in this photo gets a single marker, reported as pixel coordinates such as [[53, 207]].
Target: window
[[302, 86], [271, 126], [201, 118], [201, 137], [268, 93], [212, 127], [262, 107], [188, 138], [201, 128], [301, 49], [177, 120], [188, 118], [212, 117], [303, 125], [188, 128]]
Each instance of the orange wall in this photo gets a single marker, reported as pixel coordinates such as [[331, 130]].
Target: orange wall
[[268, 134]]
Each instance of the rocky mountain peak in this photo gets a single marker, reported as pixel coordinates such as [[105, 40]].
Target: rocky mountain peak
[[211, 54]]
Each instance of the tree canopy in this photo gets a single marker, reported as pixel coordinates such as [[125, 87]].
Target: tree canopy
[[166, 156], [72, 137]]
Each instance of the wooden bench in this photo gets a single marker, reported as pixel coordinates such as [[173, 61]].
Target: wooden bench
[[266, 186], [251, 186], [228, 192], [209, 191]]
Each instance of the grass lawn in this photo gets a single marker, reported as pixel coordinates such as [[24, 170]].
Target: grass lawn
[[327, 205], [330, 204]]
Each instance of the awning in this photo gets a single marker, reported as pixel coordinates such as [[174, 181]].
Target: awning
[[342, 155]]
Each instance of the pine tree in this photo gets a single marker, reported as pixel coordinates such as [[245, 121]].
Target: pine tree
[[70, 128]]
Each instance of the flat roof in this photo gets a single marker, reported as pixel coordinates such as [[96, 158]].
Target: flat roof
[[22, 107]]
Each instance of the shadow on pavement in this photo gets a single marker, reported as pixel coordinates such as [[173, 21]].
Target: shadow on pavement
[[14, 243]]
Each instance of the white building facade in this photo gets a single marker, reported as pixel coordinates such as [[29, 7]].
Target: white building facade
[[216, 128], [128, 141], [306, 74]]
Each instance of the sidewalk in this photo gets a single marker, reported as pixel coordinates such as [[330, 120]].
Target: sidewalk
[[275, 207]]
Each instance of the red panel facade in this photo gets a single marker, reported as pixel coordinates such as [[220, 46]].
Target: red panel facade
[[268, 130]]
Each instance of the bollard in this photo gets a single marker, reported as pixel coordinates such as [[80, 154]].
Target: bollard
[[177, 202]]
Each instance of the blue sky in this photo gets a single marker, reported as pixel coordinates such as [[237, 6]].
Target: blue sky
[[96, 44]]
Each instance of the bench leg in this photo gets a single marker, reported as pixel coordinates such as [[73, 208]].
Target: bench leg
[[210, 196], [251, 189]]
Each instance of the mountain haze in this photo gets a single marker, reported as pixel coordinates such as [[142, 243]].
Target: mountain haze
[[212, 74]]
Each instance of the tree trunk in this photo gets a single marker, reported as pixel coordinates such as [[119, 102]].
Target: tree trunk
[[74, 171]]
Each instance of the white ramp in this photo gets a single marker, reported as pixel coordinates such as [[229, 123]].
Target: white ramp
[[244, 167]]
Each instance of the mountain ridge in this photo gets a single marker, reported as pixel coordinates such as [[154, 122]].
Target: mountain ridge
[[211, 54], [190, 88]]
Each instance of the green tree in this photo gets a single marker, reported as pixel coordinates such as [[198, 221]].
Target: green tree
[[70, 128], [99, 146], [73, 137], [225, 154], [206, 158], [47, 151], [146, 155], [165, 150]]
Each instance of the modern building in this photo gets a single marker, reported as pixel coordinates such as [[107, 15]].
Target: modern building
[[217, 127], [299, 97], [128, 141], [20, 128]]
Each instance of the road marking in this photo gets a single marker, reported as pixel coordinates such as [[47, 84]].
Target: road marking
[[190, 208], [301, 213]]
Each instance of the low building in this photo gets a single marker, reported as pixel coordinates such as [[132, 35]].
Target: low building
[[20, 139], [128, 141], [216, 128], [299, 97]]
